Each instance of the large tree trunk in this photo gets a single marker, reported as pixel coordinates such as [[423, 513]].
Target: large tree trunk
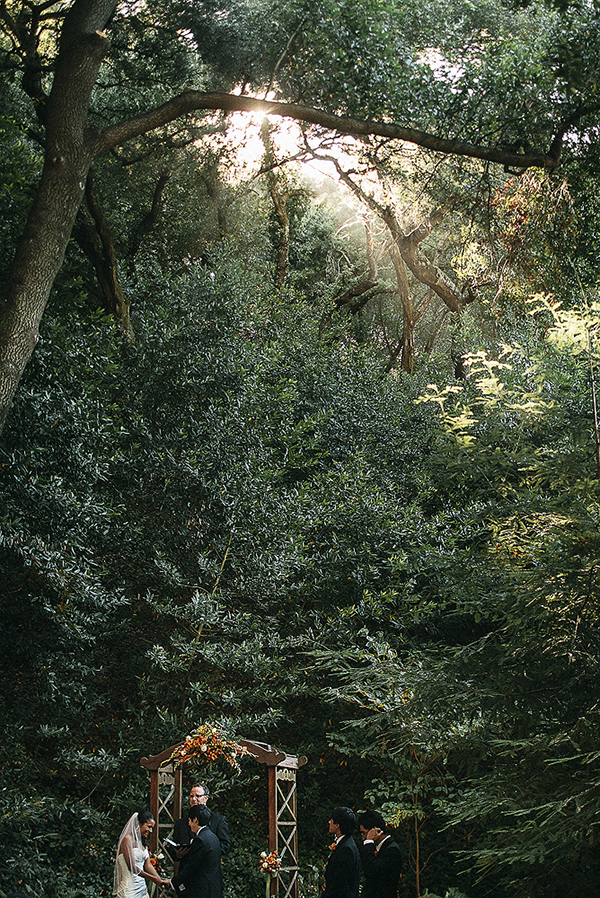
[[69, 153], [38, 259]]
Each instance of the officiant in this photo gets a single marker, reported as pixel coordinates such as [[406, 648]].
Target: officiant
[[182, 834]]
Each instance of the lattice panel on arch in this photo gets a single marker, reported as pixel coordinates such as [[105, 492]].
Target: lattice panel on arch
[[166, 791], [287, 831], [166, 822]]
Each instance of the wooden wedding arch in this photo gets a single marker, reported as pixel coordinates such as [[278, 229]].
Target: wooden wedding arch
[[166, 795]]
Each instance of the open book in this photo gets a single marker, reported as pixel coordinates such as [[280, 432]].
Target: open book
[[176, 844]]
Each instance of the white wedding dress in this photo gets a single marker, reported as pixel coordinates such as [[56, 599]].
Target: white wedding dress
[[131, 856], [131, 885]]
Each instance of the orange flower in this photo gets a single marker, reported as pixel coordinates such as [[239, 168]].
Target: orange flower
[[207, 743], [269, 863], [155, 860]]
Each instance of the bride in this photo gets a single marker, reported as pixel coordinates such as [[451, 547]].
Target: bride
[[132, 864]]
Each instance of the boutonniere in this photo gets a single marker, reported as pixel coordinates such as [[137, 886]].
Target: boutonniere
[[333, 846]]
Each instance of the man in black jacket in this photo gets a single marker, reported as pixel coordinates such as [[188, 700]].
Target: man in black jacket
[[182, 835], [380, 856], [200, 877], [343, 868]]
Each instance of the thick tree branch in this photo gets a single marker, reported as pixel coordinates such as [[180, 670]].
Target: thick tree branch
[[423, 230], [425, 271], [193, 101]]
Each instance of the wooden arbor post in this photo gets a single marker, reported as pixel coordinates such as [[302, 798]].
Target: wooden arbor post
[[165, 795], [165, 804], [283, 813]]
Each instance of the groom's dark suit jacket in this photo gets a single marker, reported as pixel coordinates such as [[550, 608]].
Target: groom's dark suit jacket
[[342, 872], [382, 868], [182, 834], [200, 877]]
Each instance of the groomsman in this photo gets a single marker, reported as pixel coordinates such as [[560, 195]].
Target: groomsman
[[380, 856], [343, 868]]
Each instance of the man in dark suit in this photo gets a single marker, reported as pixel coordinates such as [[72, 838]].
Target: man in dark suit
[[343, 868], [380, 856], [182, 835], [200, 876]]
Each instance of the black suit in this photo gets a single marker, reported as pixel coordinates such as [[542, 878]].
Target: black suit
[[200, 877], [182, 834], [382, 868], [343, 871]]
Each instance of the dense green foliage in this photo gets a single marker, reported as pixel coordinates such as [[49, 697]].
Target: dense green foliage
[[259, 463], [284, 517]]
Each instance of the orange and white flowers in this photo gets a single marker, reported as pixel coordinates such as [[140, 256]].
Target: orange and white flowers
[[269, 863], [207, 743], [155, 860]]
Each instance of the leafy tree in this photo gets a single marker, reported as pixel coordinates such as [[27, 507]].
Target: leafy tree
[[229, 518], [74, 41]]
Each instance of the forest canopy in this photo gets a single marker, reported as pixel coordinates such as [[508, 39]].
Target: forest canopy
[[298, 374]]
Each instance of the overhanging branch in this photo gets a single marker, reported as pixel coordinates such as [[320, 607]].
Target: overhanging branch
[[194, 101]]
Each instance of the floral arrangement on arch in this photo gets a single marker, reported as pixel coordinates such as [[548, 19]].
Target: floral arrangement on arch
[[269, 863], [207, 743]]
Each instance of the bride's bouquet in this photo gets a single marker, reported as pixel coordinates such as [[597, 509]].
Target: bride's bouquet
[[156, 859]]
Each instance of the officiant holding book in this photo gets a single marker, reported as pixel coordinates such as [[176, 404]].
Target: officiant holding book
[[178, 846]]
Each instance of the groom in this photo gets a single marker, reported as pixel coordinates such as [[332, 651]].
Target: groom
[[200, 876]]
